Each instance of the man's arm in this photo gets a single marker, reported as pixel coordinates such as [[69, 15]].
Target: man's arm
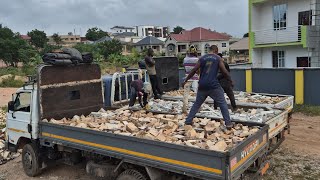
[[191, 74], [139, 99], [150, 60], [224, 70]]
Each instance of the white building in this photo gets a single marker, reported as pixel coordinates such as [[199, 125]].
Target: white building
[[159, 32], [199, 37], [122, 29], [284, 34]]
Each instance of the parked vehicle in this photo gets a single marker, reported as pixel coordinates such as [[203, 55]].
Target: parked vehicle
[[66, 91]]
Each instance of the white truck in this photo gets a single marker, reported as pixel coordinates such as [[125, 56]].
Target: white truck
[[65, 91]]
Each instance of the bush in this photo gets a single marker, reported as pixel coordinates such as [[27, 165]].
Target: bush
[[11, 70], [11, 82]]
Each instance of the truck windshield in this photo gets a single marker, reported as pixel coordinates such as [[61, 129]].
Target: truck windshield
[[22, 102]]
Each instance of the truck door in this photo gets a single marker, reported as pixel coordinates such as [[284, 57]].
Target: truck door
[[19, 119]]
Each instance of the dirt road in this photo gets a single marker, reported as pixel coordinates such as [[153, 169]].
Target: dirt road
[[5, 95], [297, 158]]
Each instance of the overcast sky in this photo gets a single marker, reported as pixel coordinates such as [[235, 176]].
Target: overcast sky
[[64, 16]]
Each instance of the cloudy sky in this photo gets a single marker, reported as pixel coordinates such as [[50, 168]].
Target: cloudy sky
[[64, 16]]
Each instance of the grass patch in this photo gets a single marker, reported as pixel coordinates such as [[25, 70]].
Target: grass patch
[[307, 110], [11, 82], [11, 70]]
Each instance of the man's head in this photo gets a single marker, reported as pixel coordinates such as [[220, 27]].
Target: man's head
[[213, 49], [150, 52], [193, 51]]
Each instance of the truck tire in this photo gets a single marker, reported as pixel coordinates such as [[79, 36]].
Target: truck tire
[[30, 160], [131, 174]]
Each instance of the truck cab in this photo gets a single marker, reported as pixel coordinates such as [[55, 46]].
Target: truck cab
[[22, 117]]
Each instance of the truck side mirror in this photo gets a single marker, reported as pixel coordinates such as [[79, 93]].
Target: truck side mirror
[[10, 106]]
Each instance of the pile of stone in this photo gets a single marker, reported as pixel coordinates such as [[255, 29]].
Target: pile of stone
[[2, 118], [239, 96], [204, 134], [258, 98], [243, 114], [5, 155], [180, 93]]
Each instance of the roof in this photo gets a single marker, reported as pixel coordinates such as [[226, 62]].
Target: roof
[[124, 34], [104, 39], [242, 44], [149, 40], [121, 27], [25, 37], [199, 34]]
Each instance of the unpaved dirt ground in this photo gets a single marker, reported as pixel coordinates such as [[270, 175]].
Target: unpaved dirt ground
[[6, 95], [297, 158]]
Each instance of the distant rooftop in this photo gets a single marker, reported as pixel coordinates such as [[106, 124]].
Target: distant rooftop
[[199, 34], [104, 39], [124, 34], [149, 40], [121, 27], [25, 37], [242, 44]]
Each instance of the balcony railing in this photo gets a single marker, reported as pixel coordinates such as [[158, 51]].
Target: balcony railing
[[274, 36]]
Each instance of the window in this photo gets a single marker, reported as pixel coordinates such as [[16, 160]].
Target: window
[[224, 44], [278, 59], [303, 62], [71, 39], [206, 48], [22, 102], [170, 47], [280, 17], [305, 18], [73, 95]]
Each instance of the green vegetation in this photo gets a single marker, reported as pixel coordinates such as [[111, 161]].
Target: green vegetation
[[38, 38], [307, 110], [94, 34], [11, 82], [177, 30]]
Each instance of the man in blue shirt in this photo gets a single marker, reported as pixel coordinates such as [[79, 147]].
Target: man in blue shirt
[[209, 66]]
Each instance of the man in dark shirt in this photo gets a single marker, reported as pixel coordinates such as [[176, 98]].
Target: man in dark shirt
[[209, 85], [227, 86], [138, 90], [151, 69]]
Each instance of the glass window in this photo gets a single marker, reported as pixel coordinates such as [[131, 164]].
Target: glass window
[[280, 17], [278, 59], [305, 18], [224, 44], [206, 48], [22, 102]]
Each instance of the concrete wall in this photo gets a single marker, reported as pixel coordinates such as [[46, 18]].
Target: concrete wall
[[277, 81]]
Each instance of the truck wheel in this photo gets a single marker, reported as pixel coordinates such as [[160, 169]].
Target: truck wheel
[[30, 160], [131, 174]]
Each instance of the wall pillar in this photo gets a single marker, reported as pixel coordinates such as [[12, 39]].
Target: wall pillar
[[299, 86], [248, 80]]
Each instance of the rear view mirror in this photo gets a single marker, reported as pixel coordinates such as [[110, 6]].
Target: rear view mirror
[[10, 106]]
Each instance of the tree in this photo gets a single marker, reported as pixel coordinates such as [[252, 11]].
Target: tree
[[94, 34], [38, 38], [56, 38], [110, 47], [246, 35], [177, 30], [13, 49]]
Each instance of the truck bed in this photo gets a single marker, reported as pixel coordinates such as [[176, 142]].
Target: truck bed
[[285, 104], [194, 162]]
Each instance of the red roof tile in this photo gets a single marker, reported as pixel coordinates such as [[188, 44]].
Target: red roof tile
[[199, 34], [25, 37]]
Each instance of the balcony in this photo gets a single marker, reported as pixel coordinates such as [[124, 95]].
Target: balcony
[[296, 35]]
